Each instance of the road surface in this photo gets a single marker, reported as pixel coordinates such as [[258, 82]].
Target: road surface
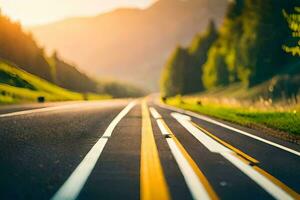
[[138, 149]]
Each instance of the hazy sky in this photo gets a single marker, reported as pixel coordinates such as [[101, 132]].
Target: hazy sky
[[32, 12]]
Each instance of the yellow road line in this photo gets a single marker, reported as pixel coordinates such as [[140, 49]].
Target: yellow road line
[[237, 151], [212, 194], [152, 181], [248, 160], [278, 183]]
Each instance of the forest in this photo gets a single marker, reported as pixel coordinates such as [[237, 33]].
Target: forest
[[19, 48], [258, 40]]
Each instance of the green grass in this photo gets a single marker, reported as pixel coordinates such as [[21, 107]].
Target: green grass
[[277, 88], [287, 121], [18, 86]]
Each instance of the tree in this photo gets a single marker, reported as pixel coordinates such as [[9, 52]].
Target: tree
[[68, 76], [198, 52], [20, 48], [182, 73], [293, 46], [172, 82], [215, 71], [250, 42]]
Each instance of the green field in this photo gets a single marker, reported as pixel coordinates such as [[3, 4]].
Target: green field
[[18, 86], [278, 118]]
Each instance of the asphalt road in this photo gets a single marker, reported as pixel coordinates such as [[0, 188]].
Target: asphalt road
[[138, 149]]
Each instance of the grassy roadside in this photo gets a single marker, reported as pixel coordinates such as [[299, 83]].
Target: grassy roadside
[[18, 86], [268, 119]]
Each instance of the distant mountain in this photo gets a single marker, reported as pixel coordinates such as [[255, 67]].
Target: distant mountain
[[21, 57], [130, 44]]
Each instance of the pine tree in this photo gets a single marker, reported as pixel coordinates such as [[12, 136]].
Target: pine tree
[[263, 38], [172, 82], [20, 48], [293, 46], [198, 52], [183, 72]]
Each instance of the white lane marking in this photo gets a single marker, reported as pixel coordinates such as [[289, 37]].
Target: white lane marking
[[216, 147], [53, 108], [231, 128], [158, 117], [154, 113], [203, 138], [38, 110], [162, 127], [258, 178], [114, 123], [196, 188], [73, 185]]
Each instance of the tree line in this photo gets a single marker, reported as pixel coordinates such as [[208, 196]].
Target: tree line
[[250, 47], [20, 48]]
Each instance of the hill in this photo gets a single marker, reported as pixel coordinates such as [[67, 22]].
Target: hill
[[247, 49], [130, 44], [19, 47], [16, 85]]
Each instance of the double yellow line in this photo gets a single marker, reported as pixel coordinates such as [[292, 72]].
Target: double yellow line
[[152, 181], [253, 162], [209, 190], [237, 151]]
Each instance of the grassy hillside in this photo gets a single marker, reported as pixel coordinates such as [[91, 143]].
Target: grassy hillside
[[279, 88], [274, 120], [19, 47], [272, 106], [69, 77], [17, 85]]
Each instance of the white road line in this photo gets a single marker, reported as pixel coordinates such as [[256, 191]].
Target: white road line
[[195, 186], [38, 110], [158, 117], [114, 123], [53, 108], [216, 147], [154, 113], [261, 180], [73, 185], [162, 127], [231, 128]]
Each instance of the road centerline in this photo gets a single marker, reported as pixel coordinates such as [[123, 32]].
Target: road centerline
[[152, 181], [197, 183], [74, 184], [210, 120], [269, 185], [237, 151]]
